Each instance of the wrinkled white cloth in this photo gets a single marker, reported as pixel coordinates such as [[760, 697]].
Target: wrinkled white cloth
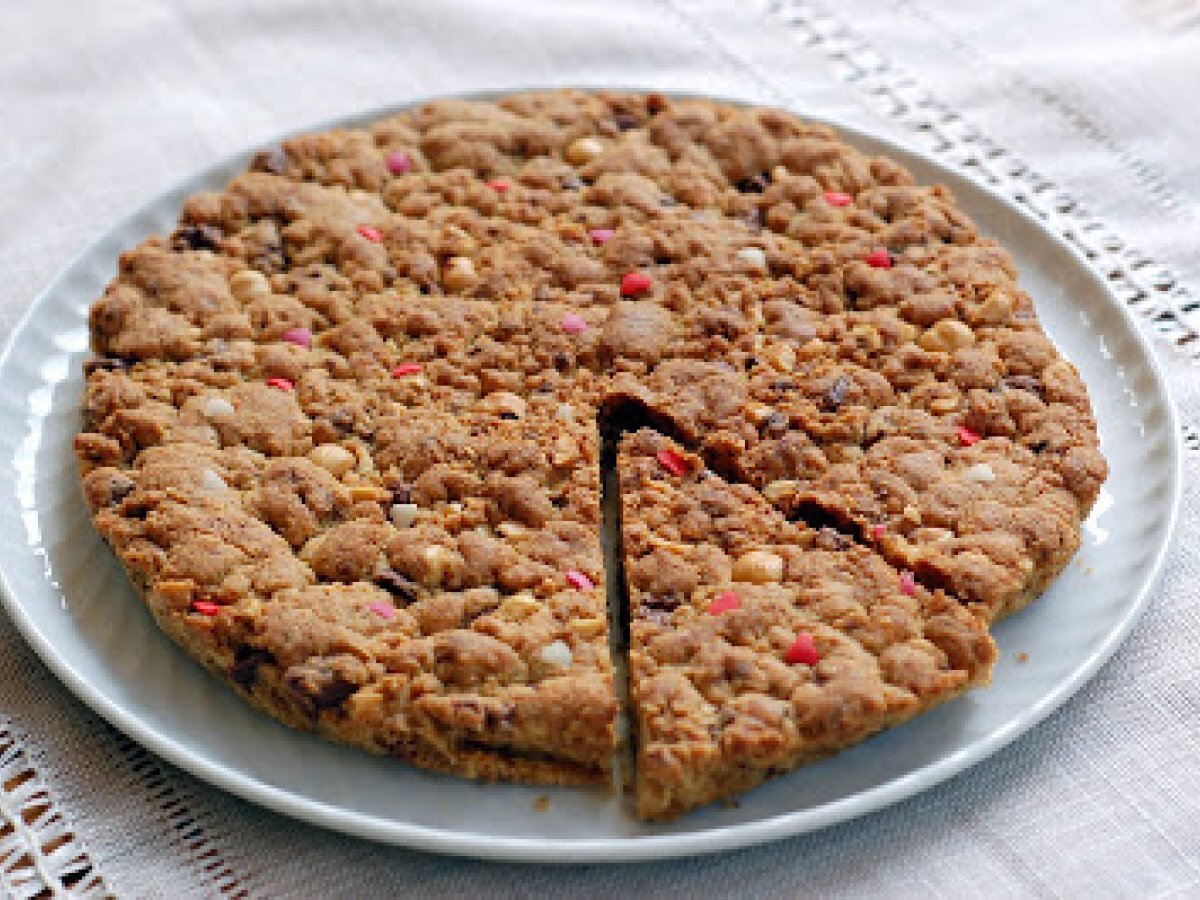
[[104, 105]]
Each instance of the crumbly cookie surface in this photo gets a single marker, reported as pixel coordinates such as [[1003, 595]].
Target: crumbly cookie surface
[[342, 428], [757, 644]]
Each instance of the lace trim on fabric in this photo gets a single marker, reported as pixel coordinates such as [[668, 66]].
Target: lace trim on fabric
[[40, 854], [1147, 287]]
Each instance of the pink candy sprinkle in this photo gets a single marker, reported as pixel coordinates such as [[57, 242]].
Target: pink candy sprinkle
[[601, 235], [399, 162], [406, 369], [879, 259], [908, 584], [837, 198], [967, 437], [578, 580], [499, 185], [724, 603], [205, 607], [671, 461], [281, 384], [301, 337], [635, 284], [803, 650], [383, 609], [574, 324], [371, 233]]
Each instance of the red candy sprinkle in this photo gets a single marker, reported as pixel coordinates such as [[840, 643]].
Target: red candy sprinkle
[[908, 584], [803, 650], [601, 235], [301, 337], [382, 609], [967, 437], [398, 162], [573, 324], [876, 533], [671, 461], [635, 284], [280, 383], [578, 580], [879, 259], [837, 198], [499, 185], [724, 603], [205, 607], [406, 369], [370, 233]]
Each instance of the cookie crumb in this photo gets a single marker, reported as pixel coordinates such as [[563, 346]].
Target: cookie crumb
[[541, 804], [1022, 657]]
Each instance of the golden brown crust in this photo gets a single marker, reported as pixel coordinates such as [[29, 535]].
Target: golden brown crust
[[720, 587], [342, 430]]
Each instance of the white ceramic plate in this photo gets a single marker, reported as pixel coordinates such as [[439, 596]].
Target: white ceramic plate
[[70, 598]]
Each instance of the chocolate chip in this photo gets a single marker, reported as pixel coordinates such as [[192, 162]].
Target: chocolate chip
[[663, 604], [562, 361], [319, 686], [1039, 446], [509, 416], [755, 184], [246, 663], [397, 585], [783, 384], [274, 161], [402, 493], [196, 237], [776, 425], [832, 539], [836, 394], [1026, 383], [105, 364], [625, 121]]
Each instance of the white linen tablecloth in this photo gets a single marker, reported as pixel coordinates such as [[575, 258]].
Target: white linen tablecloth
[[1085, 111]]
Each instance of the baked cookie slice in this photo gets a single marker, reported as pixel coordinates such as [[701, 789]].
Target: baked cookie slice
[[757, 644]]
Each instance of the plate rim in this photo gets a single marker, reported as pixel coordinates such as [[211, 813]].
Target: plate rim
[[608, 849]]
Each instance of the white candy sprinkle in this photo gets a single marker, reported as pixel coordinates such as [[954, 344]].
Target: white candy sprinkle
[[556, 654], [566, 412], [753, 256], [404, 514], [981, 473], [217, 407], [212, 482]]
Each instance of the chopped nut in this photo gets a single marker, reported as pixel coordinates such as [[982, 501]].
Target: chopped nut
[[248, 285], [758, 413], [781, 356], [437, 559], [519, 606], [404, 514], [753, 257], [584, 150], [372, 492], [217, 408], [587, 627], [778, 490], [980, 473], [510, 529], [557, 654], [866, 336], [506, 405], [943, 405], [996, 309], [212, 482], [758, 567], [334, 459], [946, 336], [459, 275]]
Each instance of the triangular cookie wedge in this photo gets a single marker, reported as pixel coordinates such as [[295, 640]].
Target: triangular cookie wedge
[[757, 644]]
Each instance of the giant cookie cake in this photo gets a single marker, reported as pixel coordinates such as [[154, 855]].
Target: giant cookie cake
[[347, 430]]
